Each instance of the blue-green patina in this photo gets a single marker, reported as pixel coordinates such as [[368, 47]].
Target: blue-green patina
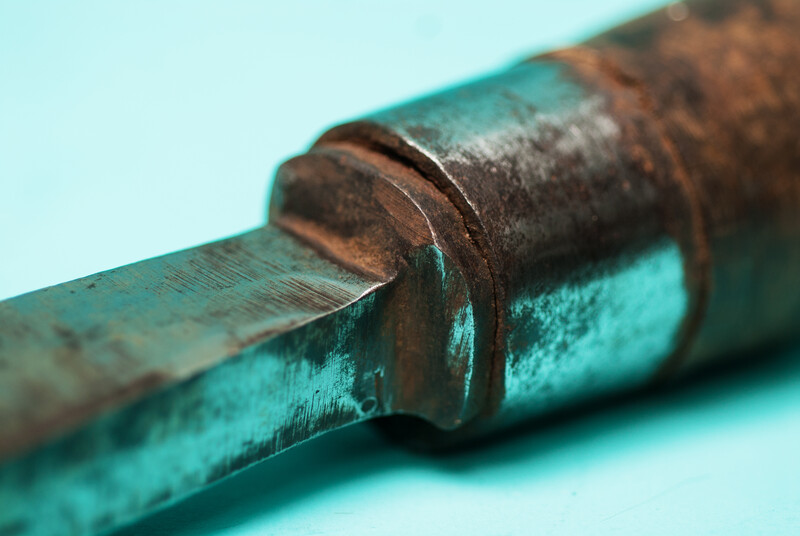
[[597, 334]]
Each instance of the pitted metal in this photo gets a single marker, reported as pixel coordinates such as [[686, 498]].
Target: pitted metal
[[572, 201], [587, 222]]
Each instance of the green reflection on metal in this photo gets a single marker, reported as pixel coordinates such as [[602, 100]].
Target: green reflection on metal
[[459, 321], [197, 431], [587, 336]]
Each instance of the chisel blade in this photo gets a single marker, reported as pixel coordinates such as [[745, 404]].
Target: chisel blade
[[163, 376], [129, 389]]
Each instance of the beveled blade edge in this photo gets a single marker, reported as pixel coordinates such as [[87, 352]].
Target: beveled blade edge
[[251, 347]]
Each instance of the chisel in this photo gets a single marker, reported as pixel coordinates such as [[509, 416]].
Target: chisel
[[594, 220]]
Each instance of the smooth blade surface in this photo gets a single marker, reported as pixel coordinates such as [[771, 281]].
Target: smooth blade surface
[[162, 376]]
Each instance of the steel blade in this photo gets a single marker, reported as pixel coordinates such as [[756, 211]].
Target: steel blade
[[163, 376]]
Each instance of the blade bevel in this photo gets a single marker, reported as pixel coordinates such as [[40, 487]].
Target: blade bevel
[[165, 375]]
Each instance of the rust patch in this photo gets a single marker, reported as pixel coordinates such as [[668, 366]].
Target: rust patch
[[371, 210], [722, 86]]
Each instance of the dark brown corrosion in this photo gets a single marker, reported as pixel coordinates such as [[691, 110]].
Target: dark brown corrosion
[[589, 221], [723, 86], [570, 168], [361, 207]]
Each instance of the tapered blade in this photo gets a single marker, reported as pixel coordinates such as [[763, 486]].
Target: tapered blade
[[165, 375]]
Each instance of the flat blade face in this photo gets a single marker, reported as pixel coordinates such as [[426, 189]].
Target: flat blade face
[[162, 376], [129, 389]]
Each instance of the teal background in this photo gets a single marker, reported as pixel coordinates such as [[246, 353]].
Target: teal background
[[131, 129]]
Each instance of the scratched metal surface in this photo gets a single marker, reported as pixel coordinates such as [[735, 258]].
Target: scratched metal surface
[[718, 457], [352, 499], [279, 315], [192, 309], [594, 194], [579, 252]]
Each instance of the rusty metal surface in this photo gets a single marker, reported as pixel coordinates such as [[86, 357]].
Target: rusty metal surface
[[364, 208], [96, 343], [657, 164], [163, 376], [723, 85], [589, 221], [570, 216]]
